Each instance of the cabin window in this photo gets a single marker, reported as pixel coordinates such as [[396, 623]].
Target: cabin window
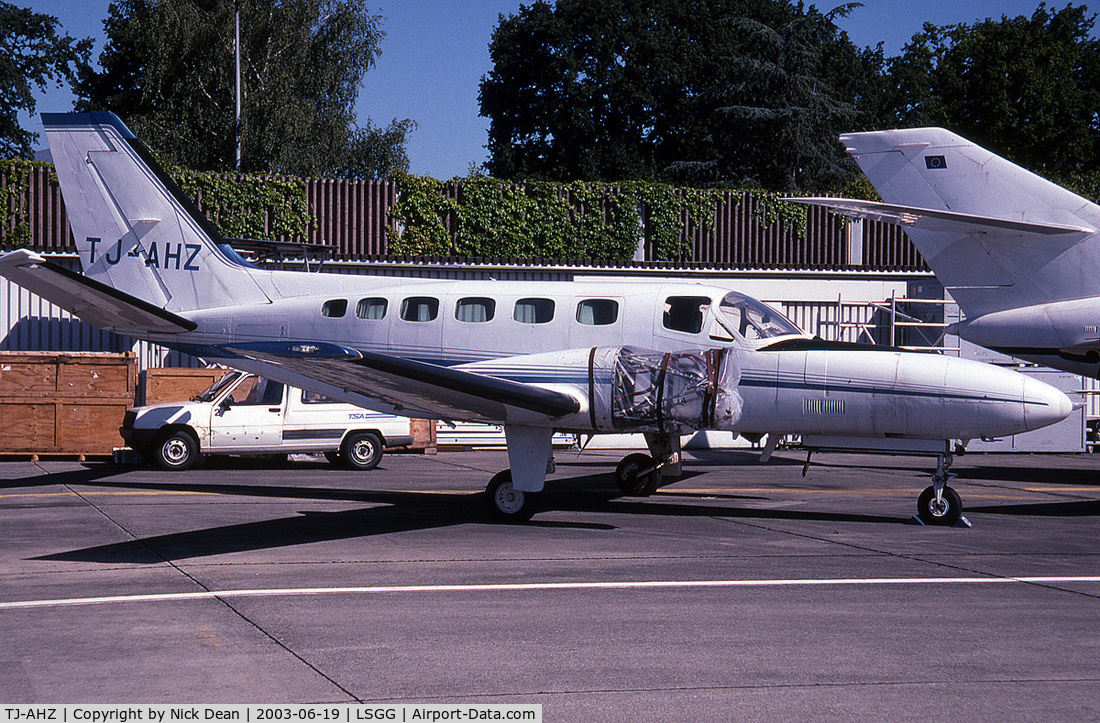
[[534, 311], [598, 312], [419, 308], [685, 313], [334, 308], [475, 310], [371, 308]]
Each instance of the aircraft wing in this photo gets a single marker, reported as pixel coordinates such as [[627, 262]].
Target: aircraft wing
[[933, 220], [417, 388], [88, 299]]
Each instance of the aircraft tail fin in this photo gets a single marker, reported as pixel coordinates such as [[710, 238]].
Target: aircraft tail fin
[[998, 236], [135, 230]]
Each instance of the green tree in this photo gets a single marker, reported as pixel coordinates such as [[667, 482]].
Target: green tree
[[718, 92], [375, 152], [168, 69], [1028, 88], [776, 116], [31, 54]]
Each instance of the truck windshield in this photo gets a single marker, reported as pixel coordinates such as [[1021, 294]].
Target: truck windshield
[[217, 387], [753, 319]]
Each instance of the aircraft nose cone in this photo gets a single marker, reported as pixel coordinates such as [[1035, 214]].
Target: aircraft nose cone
[[1043, 404]]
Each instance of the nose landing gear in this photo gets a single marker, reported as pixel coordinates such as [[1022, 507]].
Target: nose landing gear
[[940, 504]]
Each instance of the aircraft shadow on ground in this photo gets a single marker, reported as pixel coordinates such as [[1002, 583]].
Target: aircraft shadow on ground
[[89, 474], [1069, 508], [1047, 476], [404, 511]]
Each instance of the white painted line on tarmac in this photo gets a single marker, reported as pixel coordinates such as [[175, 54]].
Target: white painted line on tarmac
[[534, 586]]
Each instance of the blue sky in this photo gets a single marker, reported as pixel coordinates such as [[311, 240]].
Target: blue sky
[[436, 51]]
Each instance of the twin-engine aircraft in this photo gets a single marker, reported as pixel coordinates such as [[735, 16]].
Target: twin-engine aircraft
[[662, 359], [1019, 254]]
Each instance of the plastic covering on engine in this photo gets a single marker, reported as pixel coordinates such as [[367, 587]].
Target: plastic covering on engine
[[640, 389]]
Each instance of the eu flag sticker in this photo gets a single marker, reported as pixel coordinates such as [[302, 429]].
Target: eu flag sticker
[[935, 162]]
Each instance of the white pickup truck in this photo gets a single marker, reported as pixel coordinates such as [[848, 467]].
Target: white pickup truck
[[245, 414]]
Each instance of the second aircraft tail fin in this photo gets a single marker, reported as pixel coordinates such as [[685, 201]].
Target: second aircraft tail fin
[[997, 236]]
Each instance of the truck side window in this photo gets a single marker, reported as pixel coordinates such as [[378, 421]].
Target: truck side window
[[264, 391], [309, 397], [273, 393], [685, 313]]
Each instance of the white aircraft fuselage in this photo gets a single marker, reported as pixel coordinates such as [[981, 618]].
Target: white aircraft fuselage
[[789, 382]]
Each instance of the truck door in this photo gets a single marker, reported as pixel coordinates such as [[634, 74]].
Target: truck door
[[250, 419]]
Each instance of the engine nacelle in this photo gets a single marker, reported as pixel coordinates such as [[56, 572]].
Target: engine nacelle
[[642, 390], [626, 389]]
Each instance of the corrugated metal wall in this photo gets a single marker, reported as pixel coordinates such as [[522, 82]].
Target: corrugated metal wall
[[351, 216], [36, 213]]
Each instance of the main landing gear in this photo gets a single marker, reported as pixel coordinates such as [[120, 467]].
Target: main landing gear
[[940, 504], [637, 475], [507, 504]]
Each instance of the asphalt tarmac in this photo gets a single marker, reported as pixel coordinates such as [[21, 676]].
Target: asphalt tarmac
[[741, 592]]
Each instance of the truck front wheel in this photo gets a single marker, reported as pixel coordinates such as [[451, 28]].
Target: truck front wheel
[[361, 450], [176, 450]]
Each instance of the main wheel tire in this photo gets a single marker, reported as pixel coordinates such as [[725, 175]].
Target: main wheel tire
[[361, 450], [507, 504], [944, 513], [176, 451], [637, 476]]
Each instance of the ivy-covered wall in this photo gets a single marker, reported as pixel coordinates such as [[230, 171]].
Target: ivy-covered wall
[[241, 206], [485, 217], [16, 201], [250, 207]]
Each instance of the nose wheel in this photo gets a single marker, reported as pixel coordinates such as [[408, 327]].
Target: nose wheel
[[946, 510], [940, 504]]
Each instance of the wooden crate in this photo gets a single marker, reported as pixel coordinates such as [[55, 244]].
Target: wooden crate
[[64, 402], [178, 385], [423, 432]]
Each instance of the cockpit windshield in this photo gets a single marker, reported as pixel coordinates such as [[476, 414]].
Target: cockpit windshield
[[216, 387], [754, 320]]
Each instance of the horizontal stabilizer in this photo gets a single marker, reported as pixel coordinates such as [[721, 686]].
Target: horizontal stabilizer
[[427, 390], [935, 220], [87, 299]]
